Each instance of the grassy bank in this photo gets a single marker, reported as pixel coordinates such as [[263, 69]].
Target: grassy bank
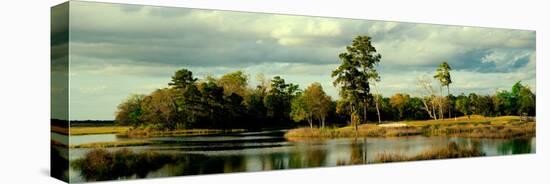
[[475, 127], [98, 130], [87, 130], [452, 150], [113, 144], [128, 131]]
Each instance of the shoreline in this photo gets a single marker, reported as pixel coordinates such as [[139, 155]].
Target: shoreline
[[503, 127]]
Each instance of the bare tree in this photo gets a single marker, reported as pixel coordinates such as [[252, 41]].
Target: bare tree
[[377, 101], [427, 92]]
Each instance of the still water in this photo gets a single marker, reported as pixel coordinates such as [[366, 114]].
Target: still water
[[269, 150]]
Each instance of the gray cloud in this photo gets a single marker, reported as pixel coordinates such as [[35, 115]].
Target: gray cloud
[[136, 48]]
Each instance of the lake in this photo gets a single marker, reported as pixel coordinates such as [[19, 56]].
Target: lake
[[269, 150]]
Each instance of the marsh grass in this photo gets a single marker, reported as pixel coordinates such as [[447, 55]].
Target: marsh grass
[[475, 127], [128, 131], [100, 164], [363, 131], [451, 150], [98, 130]]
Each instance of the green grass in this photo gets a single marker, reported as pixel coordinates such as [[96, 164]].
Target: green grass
[[475, 127]]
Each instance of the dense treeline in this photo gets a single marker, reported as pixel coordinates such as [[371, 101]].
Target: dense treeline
[[229, 101], [519, 101], [80, 123], [223, 103]]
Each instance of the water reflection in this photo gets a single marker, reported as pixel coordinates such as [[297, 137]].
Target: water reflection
[[239, 155], [516, 146]]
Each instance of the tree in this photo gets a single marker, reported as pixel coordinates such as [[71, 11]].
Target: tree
[[278, 99], [317, 102], [414, 109], [343, 109], [190, 106], [213, 103], [160, 109], [235, 82], [365, 54], [484, 105], [182, 78], [300, 110], [526, 101], [443, 75], [474, 103], [255, 108], [355, 71], [130, 111], [399, 101], [377, 96], [234, 109], [187, 98], [506, 102], [428, 96], [463, 105], [498, 103]]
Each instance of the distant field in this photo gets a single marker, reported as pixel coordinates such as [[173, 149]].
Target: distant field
[[127, 131], [99, 130]]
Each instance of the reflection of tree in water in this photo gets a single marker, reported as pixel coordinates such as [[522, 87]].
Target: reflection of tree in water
[[100, 164], [234, 164], [516, 146], [275, 161], [358, 153], [313, 157]]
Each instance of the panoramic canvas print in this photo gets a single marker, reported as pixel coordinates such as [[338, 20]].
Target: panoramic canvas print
[[144, 91]]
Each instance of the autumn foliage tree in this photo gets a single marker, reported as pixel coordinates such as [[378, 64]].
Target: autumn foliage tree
[[400, 101], [312, 104], [129, 111]]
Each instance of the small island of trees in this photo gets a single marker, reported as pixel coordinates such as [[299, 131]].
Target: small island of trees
[[228, 102]]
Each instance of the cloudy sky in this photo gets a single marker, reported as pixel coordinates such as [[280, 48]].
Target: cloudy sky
[[117, 50]]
